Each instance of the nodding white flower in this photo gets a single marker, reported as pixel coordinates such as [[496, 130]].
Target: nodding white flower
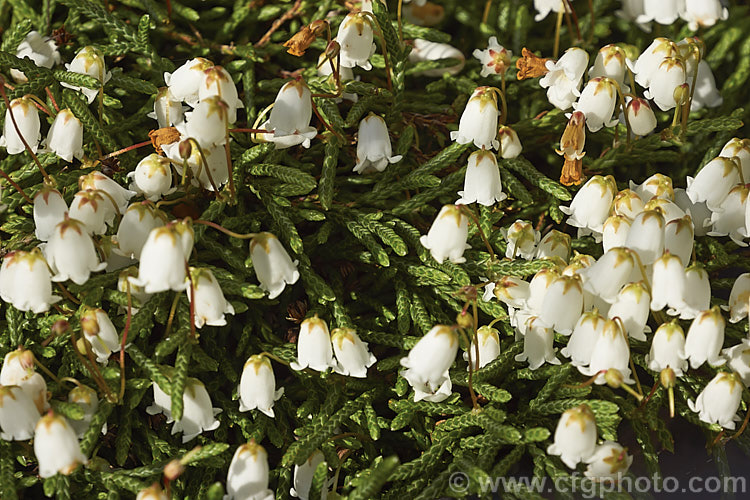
[[739, 298], [428, 362], [374, 151], [706, 94], [152, 177], [522, 240], [100, 332], [511, 291], [668, 349], [590, 206], [153, 492], [679, 238], [581, 342], [544, 7], [697, 296], [538, 287], [424, 50], [646, 236], [478, 123], [168, 110], [632, 307], [664, 81], [27, 118], [65, 136], [630, 11], [49, 210], [597, 103], [719, 401], [669, 209], [703, 13], [88, 61], [162, 265], [563, 304], [247, 477], [218, 82], [663, 12], [510, 145], [563, 79], [18, 414], [273, 266], [573, 139], [713, 182], [136, 224], [698, 211], [611, 351], [668, 283], [352, 354], [482, 183], [314, 349], [729, 219], [554, 244], [303, 476], [97, 180], [575, 436], [185, 82], [627, 203], [447, 236], [86, 398], [740, 150], [610, 461], [25, 281], [40, 49], [538, 344], [658, 185], [258, 386], [215, 165], [290, 117], [610, 273], [71, 252], [611, 63], [739, 360], [705, 338], [19, 369], [94, 209], [648, 62], [641, 117], [578, 263], [197, 415], [615, 232], [489, 347], [56, 446], [355, 36], [209, 302], [495, 59], [207, 123]]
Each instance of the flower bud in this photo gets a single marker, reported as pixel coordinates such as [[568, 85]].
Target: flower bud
[[27, 118], [495, 59], [597, 103], [273, 266], [590, 206], [489, 347], [610, 461], [25, 281], [49, 210], [258, 386], [173, 470], [152, 177], [290, 117], [719, 401], [478, 123], [162, 265], [247, 477], [581, 342], [65, 136], [197, 416], [538, 344], [428, 362], [355, 36], [314, 349], [447, 235], [640, 116], [374, 151], [575, 436], [100, 332], [185, 82], [510, 145], [56, 446], [18, 414], [71, 253], [482, 183], [705, 338]]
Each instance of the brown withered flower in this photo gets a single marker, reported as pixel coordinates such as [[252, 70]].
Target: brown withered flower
[[572, 172], [301, 41], [530, 65], [165, 135], [573, 138]]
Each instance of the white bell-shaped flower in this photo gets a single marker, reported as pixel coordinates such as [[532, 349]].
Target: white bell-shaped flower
[[663, 12], [669, 209], [428, 362], [664, 81], [729, 218], [705, 338], [209, 302], [355, 37], [590, 206], [482, 183], [697, 296], [719, 401], [650, 59], [510, 144], [136, 224], [563, 79], [88, 61], [258, 386], [703, 13], [699, 212], [71, 253], [218, 82], [40, 49], [511, 291], [641, 117], [185, 82], [646, 236], [611, 351], [679, 238], [25, 281], [656, 186], [739, 298], [374, 151], [563, 304], [489, 347], [314, 349], [544, 7], [345, 75], [94, 209], [207, 123], [162, 265], [352, 354], [706, 94], [632, 308], [152, 177], [668, 283], [27, 118], [97, 180], [65, 136], [538, 287], [581, 342], [575, 436], [213, 173], [168, 110], [100, 332], [153, 492], [495, 59], [273, 266], [290, 117], [56, 446], [424, 50], [522, 240], [554, 244], [447, 236], [19, 369], [597, 102], [615, 232], [740, 150], [247, 477], [628, 204], [86, 398], [303, 476], [49, 210], [538, 345], [713, 182], [668, 349], [738, 359], [611, 63], [478, 123], [18, 414], [609, 274], [609, 462], [197, 414]]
